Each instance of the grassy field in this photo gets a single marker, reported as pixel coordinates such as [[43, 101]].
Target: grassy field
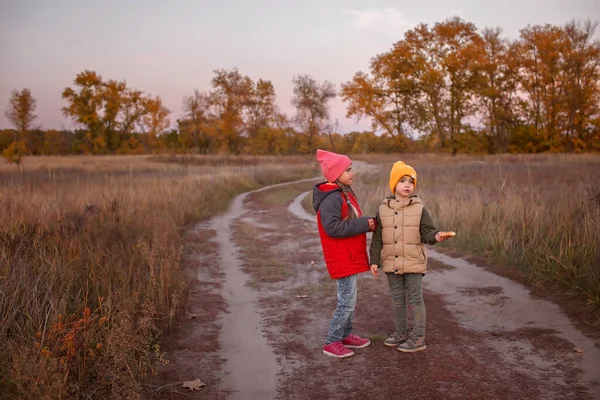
[[90, 247], [540, 213], [90, 271]]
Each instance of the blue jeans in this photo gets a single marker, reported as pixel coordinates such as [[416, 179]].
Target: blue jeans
[[341, 323]]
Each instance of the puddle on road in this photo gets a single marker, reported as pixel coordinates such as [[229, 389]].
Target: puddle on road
[[251, 368], [484, 301]]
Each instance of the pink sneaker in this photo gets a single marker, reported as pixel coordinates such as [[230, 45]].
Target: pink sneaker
[[337, 350], [355, 342]]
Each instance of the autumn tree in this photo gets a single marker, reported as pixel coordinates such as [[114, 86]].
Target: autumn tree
[[445, 59], [558, 73], [425, 83], [131, 108], [155, 119], [582, 88], [14, 153], [237, 115], [387, 95], [540, 74], [230, 95], [21, 112], [311, 100], [421, 51], [260, 116], [85, 107], [112, 113], [193, 127], [496, 90]]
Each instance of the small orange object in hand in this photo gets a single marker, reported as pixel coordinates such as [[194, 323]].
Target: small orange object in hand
[[441, 236]]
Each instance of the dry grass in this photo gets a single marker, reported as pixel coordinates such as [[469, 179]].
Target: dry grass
[[88, 163], [90, 265], [215, 160], [540, 213]]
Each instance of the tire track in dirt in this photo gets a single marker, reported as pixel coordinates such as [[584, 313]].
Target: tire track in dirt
[[250, 370], [486, 302]]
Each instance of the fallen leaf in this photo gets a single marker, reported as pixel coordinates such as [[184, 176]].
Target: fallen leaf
[[194, 385], [578, 350], [302, 296]]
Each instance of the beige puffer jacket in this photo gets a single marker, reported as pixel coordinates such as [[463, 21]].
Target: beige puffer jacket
[[402, 251]]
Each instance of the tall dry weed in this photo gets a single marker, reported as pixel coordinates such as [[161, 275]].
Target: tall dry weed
[[90, 267]]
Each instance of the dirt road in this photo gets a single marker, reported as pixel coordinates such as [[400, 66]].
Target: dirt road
[[262, 301]]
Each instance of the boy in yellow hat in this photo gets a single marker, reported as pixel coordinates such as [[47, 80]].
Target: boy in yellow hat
[[398, 247]]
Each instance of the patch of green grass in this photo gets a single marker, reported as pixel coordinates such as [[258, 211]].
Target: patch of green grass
[[280, 196], [258, 258]]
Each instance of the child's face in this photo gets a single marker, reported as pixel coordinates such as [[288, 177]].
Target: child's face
[[347, 176], [405, 186]]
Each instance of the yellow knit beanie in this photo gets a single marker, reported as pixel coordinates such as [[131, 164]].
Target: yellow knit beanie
[[399, 169]]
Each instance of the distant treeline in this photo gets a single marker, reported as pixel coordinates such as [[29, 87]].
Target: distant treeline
[[448, 87]]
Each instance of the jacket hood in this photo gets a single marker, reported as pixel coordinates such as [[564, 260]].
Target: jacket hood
[[321, 191]]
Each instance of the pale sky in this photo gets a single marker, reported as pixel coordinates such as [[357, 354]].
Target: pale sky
[[169, 48]]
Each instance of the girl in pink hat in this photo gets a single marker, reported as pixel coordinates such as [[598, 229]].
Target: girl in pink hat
[[342, 230]]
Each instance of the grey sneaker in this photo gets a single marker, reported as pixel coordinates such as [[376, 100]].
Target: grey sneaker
[[395, 339], [413, 344]]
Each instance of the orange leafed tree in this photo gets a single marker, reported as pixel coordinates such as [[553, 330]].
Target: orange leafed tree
[[496, 91], [21, 113], [155, 119], [228, 99], [111, 112], [388, 95]]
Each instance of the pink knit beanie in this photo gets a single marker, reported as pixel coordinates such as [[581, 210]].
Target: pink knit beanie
[[332, 164]]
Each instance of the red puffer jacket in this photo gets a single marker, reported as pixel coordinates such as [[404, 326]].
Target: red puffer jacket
[[344, 241]]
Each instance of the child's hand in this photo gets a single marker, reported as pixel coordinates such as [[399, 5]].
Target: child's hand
[[442, 236], [374, 270], [372, 224]]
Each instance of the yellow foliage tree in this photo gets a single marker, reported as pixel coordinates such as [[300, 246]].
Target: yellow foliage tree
[[14, 153], [21, 113]]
